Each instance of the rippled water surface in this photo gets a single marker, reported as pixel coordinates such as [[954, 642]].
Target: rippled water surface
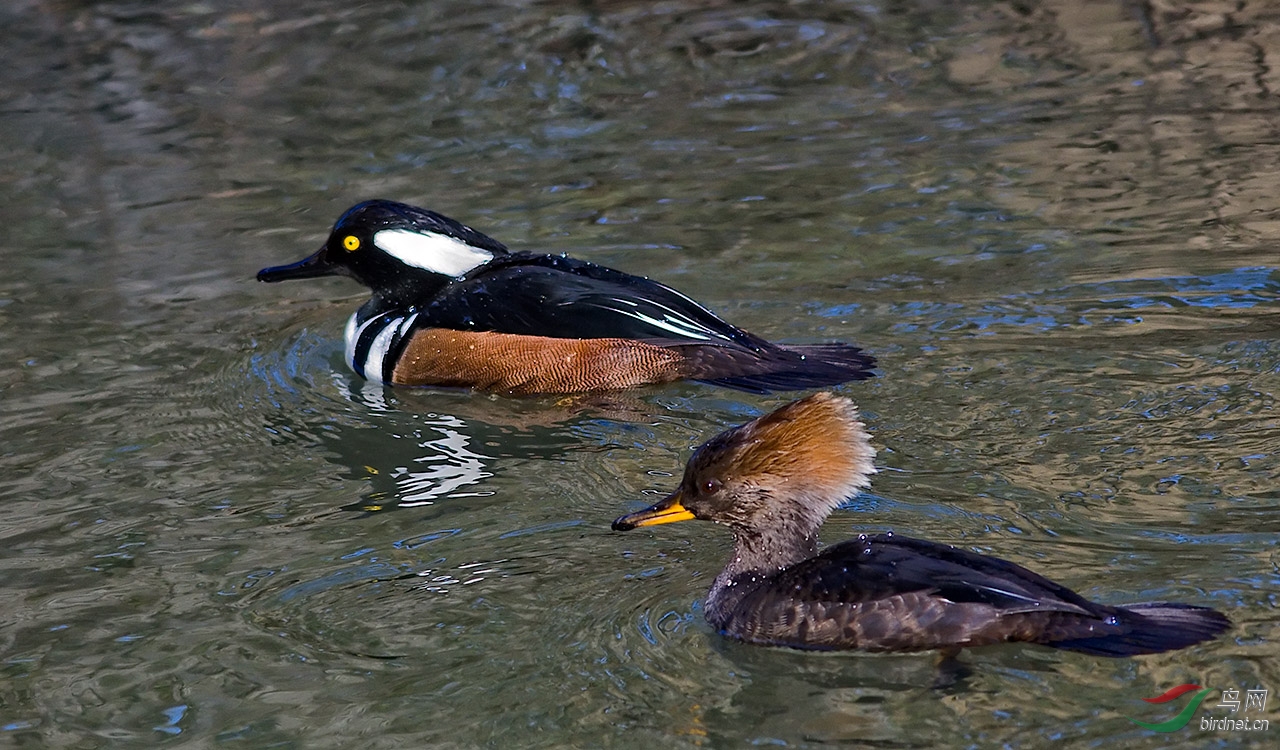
[[1053, 223]]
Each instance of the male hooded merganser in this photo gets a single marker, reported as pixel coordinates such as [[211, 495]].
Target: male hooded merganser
[[774, 480], [453, 307]]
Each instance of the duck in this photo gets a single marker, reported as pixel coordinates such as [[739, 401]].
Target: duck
[[774, 480], [451, 306]]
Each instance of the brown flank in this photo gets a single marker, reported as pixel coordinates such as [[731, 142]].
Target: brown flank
[[519, 364]]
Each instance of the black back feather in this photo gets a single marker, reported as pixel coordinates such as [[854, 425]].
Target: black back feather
[[562, 297]]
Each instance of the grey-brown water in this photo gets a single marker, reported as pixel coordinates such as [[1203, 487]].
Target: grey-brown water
[[1054, 223]]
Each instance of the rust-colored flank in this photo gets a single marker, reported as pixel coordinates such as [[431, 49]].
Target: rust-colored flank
[[519, 364]]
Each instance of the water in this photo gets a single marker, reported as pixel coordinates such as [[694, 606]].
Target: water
[[1053, 224]]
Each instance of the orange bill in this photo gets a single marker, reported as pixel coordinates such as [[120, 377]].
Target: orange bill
[[666, 510]]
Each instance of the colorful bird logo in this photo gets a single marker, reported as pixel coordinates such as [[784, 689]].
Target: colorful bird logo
[[1184, 716]]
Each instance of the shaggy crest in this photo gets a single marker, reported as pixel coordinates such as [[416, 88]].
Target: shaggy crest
[[816, 449]]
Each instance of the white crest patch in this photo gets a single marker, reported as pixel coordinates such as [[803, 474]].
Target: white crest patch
[[437, 253]]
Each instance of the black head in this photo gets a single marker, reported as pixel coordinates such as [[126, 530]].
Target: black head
[[798, 462], [385, 245]]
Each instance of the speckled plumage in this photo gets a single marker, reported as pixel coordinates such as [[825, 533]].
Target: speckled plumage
[[774, 480]]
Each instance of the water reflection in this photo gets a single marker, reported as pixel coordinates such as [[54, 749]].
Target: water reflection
[[1088, 302], [1053, 221], [397, 441], [443, 463]]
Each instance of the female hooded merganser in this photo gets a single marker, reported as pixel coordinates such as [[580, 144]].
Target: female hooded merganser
[[774, 480], [452, 307]]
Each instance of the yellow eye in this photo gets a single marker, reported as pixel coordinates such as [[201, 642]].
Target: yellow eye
[[351, 242]]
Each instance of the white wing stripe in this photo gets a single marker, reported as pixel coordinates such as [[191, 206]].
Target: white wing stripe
[[675, 323]]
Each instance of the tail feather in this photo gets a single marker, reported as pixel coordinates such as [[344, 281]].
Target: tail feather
[[1151, 628], [794, 368]]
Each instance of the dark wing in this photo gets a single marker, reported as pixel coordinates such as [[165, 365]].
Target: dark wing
[[885, 565], [562, 297], [893, 593], [896, 593]]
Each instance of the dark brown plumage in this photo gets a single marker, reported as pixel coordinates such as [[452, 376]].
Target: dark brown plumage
[[775, 479]]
